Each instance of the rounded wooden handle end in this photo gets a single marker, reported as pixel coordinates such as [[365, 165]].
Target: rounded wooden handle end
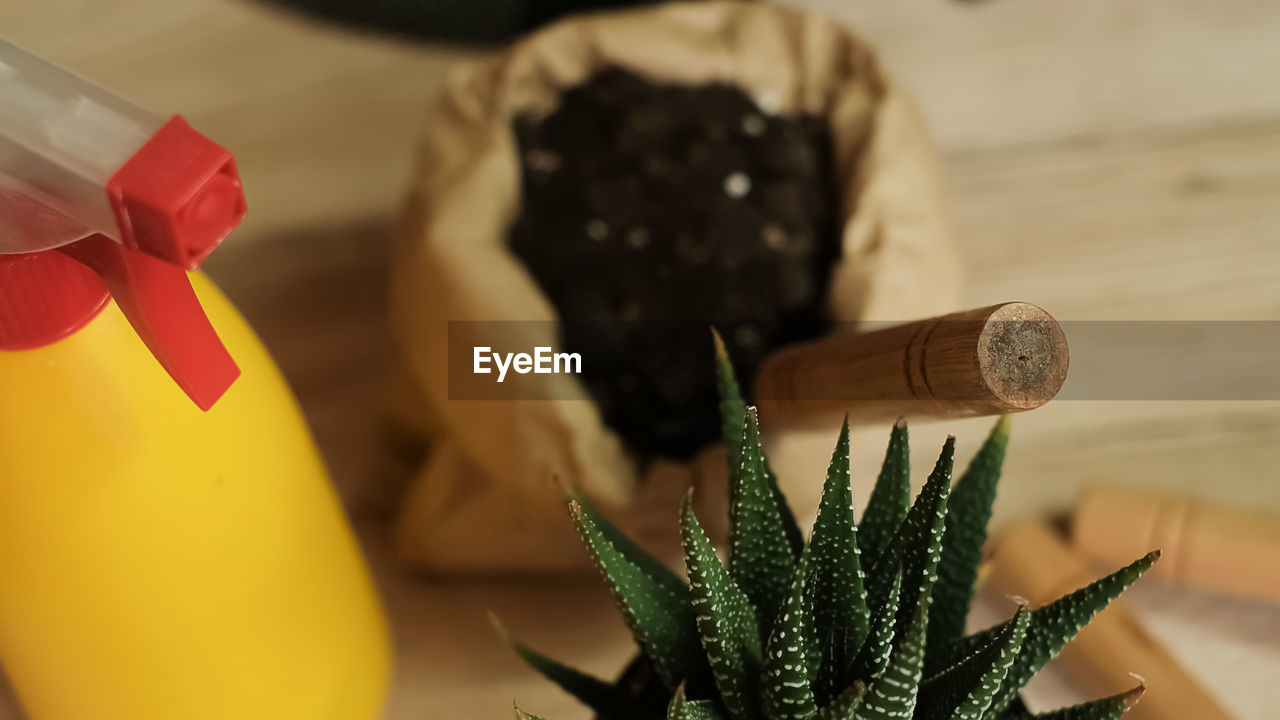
[[994, 360]]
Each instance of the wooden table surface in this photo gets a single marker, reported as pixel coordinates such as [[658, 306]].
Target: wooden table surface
[[1109, 161]]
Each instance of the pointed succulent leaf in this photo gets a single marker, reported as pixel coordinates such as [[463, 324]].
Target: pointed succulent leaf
[[968, 512], [890, 497], [605, 698], [651, 566], [918, 542], [681, 708], [727, 622], [522, 715], [785, 690], [1053, 626], [760, 558], [873, 658], [892, 696], [965, 690], [733, 415], [844, 703], [1110, 708], [662, 625], [835, 585], [733, 408]]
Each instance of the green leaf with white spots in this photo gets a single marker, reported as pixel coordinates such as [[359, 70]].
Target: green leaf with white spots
[[733, 408], [1053, 626], [873, 658], [968, 512], [726, 621], [890, 497], [965, 690], [838, 600], [733, 415], [892, 696], [845, 702], [603, 697], [918, 543], [681, 708], [663, 626], [1110, 708], [760, 558], [651, 566], [789, 629], [785, 692]]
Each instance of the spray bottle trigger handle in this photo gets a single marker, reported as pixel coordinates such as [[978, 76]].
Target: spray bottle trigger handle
[[159, 302]]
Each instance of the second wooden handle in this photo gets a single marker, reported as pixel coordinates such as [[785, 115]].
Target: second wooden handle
[[990, 361], [1031, 561], [1230, 550]]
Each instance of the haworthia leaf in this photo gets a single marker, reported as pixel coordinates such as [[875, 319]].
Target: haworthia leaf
[[835, 586], [1017, 706], [890, 497], [968, 512], [845, 702], [522, 715], [873, 658], [892, 696], [1110, 708], [663, 626], [605, 698], [733, 414], [682, 708], [733, 409], [1053, 625], [760, 558], [726, 621], [653, 567], [918, 542], [785, 692], [965, 690]]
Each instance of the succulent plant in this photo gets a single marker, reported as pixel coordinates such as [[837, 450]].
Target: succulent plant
[[865, 621]]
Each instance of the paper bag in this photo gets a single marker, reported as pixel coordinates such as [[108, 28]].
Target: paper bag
[[486, 499]]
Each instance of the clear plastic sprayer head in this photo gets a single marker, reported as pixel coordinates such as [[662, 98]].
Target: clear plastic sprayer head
[[100, 199], [62, 139]]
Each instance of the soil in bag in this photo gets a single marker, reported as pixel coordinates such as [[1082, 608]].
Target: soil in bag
[[652, 212]]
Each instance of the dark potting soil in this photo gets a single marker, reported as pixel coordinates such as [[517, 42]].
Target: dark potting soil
[[651, 213]]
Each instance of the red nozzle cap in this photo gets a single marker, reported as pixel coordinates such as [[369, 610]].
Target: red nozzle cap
[[44, 297], [178, 196]]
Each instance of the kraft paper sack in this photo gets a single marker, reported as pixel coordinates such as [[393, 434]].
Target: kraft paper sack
[[485, 499]]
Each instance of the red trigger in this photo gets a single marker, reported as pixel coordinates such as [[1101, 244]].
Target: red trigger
[[159, 302]]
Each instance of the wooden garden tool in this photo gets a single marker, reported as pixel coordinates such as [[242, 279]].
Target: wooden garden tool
[[1205, 545], [1030, 560], [994, 360]]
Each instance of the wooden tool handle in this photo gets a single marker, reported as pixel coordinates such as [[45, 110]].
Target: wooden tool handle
[[1205, 545], [994, 360], [1032, 561]]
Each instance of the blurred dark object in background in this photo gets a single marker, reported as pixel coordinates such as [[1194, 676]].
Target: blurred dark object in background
[[463, 21]]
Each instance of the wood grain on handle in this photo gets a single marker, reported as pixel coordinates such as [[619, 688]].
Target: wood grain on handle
[[994, 360], [1030, 560]]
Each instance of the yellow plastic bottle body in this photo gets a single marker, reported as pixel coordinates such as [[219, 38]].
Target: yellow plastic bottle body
[[162, 563]]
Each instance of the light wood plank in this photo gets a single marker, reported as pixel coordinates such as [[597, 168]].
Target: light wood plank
[[322, 121]]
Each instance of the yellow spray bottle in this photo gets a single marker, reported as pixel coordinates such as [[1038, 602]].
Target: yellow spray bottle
[[170, 545]]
